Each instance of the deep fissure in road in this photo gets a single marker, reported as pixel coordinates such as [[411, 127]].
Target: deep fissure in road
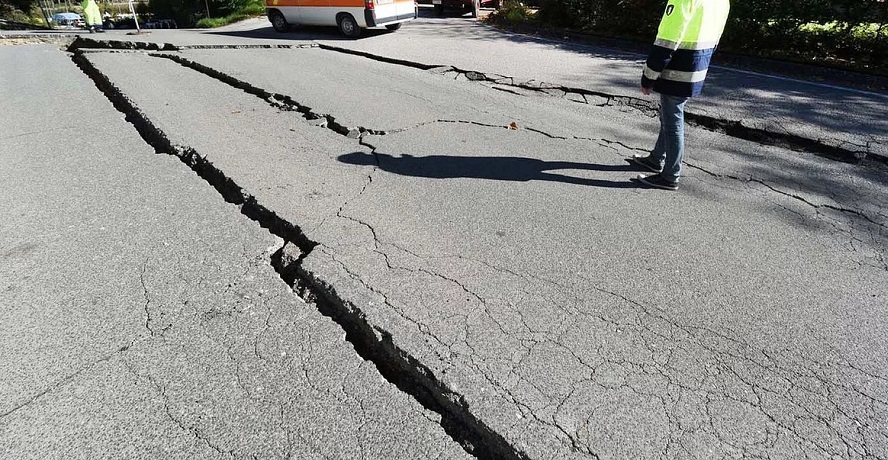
[[371, 343]]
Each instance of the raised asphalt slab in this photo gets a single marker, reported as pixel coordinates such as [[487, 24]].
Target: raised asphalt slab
[[553, 308], [142, 316]]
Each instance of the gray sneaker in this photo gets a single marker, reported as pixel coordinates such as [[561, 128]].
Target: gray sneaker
[[646, 163], [658, 181]]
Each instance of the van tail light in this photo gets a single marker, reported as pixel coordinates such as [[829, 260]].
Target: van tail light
[[368, 4]]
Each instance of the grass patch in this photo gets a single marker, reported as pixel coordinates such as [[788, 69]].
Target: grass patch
[[252, 10], [512, 13]]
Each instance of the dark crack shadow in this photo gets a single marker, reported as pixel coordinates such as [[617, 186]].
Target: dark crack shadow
[[519, 169], [299, 33]]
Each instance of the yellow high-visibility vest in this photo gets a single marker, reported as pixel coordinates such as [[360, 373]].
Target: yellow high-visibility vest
[[688, 35]]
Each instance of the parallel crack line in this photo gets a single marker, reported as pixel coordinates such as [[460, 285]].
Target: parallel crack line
[[840, 151], [287, 103], [68, 378], [280, 101], [372, 343]]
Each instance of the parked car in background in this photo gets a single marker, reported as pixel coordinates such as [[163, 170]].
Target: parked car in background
[[465, 6], [67, 20], [351, 16]]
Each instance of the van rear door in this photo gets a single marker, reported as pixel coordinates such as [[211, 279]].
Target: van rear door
[[390, 11]]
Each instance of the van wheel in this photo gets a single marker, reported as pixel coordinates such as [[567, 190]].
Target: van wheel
[[439, 10], [393, 26], [348, 26], [279, 22]]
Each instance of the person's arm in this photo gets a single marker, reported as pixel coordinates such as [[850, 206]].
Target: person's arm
[[676, 18]]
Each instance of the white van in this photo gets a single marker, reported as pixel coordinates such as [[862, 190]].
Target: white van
[[351, 16]]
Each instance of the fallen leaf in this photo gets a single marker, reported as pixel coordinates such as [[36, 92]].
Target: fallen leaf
[[513, 125]]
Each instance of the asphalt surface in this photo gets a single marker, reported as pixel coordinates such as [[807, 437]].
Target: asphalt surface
[[488, 239], [142, 317], [831, 115]]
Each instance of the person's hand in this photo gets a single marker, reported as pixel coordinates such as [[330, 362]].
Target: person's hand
[[645, 91]]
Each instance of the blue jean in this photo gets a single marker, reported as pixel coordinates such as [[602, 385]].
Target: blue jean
[[669, 149]]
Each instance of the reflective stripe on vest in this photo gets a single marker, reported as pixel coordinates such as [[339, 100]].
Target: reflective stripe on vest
[[676, 75], [684, 77], [686, 45], [686, 39]]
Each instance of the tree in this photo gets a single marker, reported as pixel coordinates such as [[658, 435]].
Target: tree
[[187, 12], [25, 6]]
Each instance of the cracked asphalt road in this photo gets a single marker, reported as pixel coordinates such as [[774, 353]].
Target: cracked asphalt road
[[142, 317], [518, 289]]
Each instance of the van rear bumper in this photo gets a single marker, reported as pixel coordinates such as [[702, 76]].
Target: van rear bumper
[[373, 21]]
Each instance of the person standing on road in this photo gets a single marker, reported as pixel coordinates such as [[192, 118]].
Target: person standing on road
[[676, 68], [92, 15]]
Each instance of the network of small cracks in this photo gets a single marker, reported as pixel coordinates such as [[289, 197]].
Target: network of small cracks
[[874, 227], [663, 370], [723, 355], [638, 367], [191, 429]]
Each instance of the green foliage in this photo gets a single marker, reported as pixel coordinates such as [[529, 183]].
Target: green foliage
[[142, 9], [849, 33], [9, 7], [809, 30], [632, 18], [511, 12], [194, 12], [209, 23]]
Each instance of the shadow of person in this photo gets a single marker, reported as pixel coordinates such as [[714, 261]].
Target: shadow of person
[[492, 168]]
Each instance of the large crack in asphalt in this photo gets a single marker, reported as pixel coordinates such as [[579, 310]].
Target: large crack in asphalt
[[839, 151], [372, 343]]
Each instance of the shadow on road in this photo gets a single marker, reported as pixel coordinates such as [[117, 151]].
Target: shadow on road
[[493, 168], [300, 33]]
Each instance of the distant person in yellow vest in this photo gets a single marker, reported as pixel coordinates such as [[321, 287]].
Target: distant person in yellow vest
[[92, 15], [676, 68]]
